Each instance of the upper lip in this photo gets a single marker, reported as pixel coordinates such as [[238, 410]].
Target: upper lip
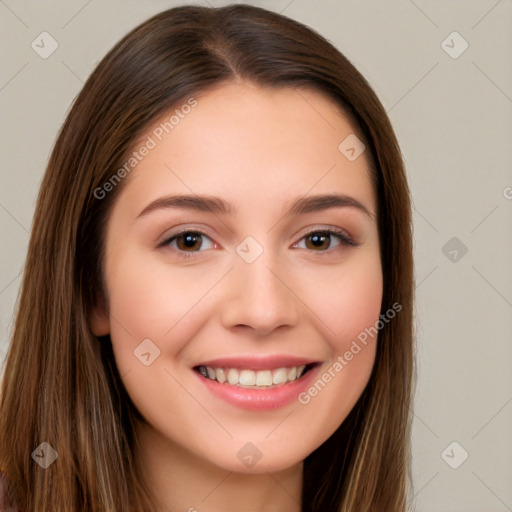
[[262, 362]]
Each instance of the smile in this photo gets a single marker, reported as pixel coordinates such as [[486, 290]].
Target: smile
[[257, 383], [254, 379]]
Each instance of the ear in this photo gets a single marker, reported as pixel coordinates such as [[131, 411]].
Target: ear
[[99, 318]]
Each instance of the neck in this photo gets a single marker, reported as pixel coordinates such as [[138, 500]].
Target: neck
[[182, 481]]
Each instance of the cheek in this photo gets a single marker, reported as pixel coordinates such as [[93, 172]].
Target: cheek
[[141, 301], [347, 311], [355, 305], [151, 299], [349, 299]]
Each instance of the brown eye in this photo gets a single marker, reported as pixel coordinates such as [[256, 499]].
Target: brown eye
[[322, 241], [319, 241], [189, 241]]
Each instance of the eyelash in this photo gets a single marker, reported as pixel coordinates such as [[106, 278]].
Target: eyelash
[[341, 235]]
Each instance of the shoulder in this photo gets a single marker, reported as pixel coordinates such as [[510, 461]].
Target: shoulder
[[6, 497]]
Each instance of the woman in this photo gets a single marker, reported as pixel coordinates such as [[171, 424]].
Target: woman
[[216, 310]]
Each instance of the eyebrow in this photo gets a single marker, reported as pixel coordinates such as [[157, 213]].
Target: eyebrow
[[189, 202], [301, 206], [310, 204]]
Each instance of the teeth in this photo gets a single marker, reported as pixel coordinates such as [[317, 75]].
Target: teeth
[[292, 373], [280, 376], [220, 375], [247, 378], [233, 376], [264, 378], [253, 378]]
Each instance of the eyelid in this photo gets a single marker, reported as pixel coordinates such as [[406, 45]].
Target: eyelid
[[345, 237], [179, 230]]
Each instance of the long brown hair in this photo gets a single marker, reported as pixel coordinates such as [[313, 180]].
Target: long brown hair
[[61, 385]]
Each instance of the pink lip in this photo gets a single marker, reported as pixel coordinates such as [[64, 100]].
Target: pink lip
[[257, 362], [259, 399]]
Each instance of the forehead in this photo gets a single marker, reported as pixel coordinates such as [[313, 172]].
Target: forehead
[[240, 140]]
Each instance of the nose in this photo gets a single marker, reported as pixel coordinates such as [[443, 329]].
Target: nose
[[258, 296]]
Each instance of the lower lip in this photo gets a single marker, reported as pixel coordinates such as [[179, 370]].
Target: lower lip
[[260, 399]]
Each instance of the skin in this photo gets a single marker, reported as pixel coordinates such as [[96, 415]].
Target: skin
[[258, 149]]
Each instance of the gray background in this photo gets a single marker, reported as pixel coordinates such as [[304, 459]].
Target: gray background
[[453, 120]]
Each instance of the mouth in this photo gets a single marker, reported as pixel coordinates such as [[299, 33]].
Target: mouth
[[247, 378], [257, 383]]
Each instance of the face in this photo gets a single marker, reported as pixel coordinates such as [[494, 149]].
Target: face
[[242, 263]]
